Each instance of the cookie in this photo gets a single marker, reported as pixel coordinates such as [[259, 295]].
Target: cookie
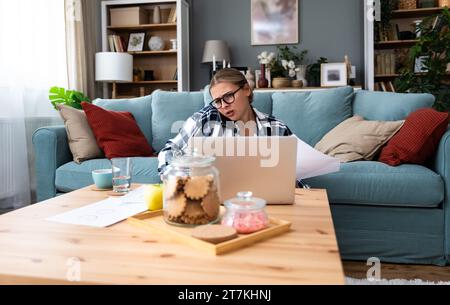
[[197, 187], [214, 233], [211, 204], [173, 185], [194, 209], [176, 205]]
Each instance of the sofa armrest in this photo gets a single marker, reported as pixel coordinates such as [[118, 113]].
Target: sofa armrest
[[51, 150], [442, 167]]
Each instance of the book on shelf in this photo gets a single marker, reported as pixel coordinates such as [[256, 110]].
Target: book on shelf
[[385, 63], [384, 86], [172, 18], [116, 43]]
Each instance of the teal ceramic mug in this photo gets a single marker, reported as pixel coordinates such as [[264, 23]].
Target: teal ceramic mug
[[102, 178]]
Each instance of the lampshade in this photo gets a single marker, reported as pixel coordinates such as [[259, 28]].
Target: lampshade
[[217, 48], [113, 67]]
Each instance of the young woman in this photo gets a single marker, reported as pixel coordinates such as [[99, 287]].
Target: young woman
[[229, 114]]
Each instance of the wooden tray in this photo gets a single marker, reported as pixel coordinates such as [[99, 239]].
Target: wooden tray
[[153, 220]]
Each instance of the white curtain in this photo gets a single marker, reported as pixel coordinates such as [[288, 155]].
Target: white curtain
[[32, 59]]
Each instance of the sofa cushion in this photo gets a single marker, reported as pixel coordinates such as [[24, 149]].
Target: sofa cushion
[[310, 115], [169, 108], [389, 106], [357, 139], [81, 139], [72, 176], [116, 132], [140, 108], [418, 139], [375, 183], [261, 100]]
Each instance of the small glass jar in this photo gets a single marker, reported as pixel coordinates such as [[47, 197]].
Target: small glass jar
[[191, 191], [246, 213]]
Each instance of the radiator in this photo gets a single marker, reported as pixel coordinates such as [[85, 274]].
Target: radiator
[[17, 151]]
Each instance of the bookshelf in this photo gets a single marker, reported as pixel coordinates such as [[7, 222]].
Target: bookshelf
[[387, 53], [170, 66]]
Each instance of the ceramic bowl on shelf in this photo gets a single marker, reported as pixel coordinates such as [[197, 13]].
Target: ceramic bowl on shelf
[[156, 43]]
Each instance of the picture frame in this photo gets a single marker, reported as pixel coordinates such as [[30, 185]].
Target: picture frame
[[274, 22], [136, 42], [333, 75], [419, 64]]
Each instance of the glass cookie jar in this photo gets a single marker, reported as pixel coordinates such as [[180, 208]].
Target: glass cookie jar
[[191, 191], [246, 213]]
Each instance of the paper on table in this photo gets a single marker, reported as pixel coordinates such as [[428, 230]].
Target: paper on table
[[312, 163], [106, 212]]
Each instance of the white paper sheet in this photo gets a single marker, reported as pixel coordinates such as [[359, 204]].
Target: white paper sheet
[[106, 212], [312, 163]]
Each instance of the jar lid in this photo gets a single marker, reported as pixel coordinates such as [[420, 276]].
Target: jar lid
[[245, 201], [192, 159]]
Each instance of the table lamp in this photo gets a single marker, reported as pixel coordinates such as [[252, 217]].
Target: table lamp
[[113, 67], [216, 51]]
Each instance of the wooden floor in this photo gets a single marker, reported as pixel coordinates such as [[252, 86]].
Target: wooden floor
[[393, 271]]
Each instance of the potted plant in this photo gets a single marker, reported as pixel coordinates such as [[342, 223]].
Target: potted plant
[[286, 66], [313, 72], [72, 98], [432, 55]]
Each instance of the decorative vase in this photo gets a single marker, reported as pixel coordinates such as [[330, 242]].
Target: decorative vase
[[156, 43], [281, 82], [297, 83], [156, 14], [263, 82], [174, 44], [250, 78], [301, 75]]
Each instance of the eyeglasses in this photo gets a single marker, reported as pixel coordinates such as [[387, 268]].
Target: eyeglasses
[[227, 98]]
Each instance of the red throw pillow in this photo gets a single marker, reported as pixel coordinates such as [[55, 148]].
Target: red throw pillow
[[418, 138], [116, 133]]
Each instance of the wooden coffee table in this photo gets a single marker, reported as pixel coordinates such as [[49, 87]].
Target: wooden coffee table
[[35, 251]]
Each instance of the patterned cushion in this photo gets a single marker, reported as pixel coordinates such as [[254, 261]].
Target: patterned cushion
[[117, 133], [417, 140]]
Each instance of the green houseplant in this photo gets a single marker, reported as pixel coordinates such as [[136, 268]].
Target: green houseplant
[[288, 58], [313, 72], [72, 98], [433, 47]]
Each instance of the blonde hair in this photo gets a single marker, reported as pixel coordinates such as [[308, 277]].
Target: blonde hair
[[232, 76]]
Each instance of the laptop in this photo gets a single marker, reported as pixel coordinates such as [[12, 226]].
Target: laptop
[[266, 166]]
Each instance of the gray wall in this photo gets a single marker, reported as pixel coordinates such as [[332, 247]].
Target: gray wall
[[328, 28]]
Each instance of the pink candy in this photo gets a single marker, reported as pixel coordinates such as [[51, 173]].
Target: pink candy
[[247, 222]]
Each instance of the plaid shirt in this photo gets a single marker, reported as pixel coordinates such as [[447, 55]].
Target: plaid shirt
[[209, 122]]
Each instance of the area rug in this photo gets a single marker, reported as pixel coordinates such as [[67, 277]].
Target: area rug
[[353, 281]]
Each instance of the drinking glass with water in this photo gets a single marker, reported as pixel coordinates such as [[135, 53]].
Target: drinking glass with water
[[121, 168]]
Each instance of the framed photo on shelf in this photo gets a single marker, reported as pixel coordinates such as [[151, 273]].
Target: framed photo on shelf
[[333, 75], [274, 22], [136, 42], [419, 64]]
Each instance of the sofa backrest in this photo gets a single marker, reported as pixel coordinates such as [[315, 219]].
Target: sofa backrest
[[389, 106], [169, 108], [310, 115]]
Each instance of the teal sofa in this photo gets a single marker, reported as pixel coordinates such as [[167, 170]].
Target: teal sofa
[[398, 214]]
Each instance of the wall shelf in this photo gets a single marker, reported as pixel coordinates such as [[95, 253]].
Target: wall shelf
[[394, 44], [170, 68], [165, 52], [418, 12], [160, 26]]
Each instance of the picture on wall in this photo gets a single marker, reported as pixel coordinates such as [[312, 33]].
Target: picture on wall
[[274, 22]]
